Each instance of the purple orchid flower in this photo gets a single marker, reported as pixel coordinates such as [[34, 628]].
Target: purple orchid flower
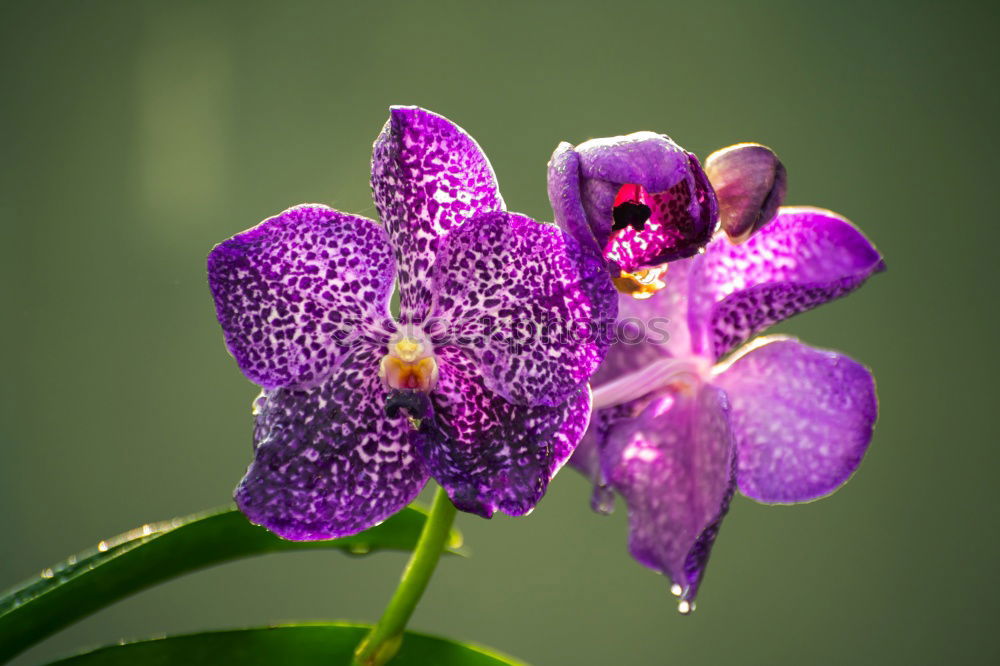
[[640, 200], [359, 409], [677, 428]]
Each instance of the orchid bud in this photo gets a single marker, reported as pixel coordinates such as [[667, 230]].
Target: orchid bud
[[639, 200], [750, 183]]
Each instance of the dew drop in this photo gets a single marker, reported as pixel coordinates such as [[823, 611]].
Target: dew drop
[[359, 549], [685, 607], [676, 590], [146, 530], [602, 500], [47, 573], [103, 546]]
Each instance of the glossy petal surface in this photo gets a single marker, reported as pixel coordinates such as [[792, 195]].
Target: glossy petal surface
[[536, 299], [496, 455], [328, 462], [803, 258], [802, 418], [294, 292], [674, 465], [428, 177]]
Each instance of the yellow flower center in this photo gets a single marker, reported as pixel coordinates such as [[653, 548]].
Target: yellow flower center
[[409, 363], [641, 284]]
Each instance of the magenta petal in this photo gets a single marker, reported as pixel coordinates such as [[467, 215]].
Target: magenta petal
[[538, 301], [328, 462], [428, 177], [674, 465], [802, 418], [496, 455], [293, 292], [803, 258]]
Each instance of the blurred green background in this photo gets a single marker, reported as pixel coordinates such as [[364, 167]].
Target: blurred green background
[[136, 135]]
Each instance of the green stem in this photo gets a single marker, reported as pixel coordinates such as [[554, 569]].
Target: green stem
[[384, 639]]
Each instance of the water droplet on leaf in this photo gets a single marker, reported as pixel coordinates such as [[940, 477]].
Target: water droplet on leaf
[[359, 549]]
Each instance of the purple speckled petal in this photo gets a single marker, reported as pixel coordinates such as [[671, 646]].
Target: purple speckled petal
[[328, 462], [802, 418], [803, 258], [538, 301], [674, 466], [428, 177], [294, 292], [564, 196], [684, 212], [496, 455]]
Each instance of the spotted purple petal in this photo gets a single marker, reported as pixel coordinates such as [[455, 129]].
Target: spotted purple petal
[[674, 466], [539, 303], [803, 258], [802, 418], [428, 177], [494, 454], [328, 462], [293, 292]]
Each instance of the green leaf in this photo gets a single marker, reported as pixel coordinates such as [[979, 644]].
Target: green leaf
[[154, 553], [287, 645]]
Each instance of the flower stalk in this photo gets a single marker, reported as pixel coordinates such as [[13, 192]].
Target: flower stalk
[[385, 638]]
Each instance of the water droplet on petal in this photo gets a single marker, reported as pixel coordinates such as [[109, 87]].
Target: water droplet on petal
[[602, 500], [676, 590], [685, 607]]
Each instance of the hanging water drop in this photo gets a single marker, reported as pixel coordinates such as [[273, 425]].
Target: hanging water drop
[[359, 549], [602, 500], [676, 590], [685, 607]]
